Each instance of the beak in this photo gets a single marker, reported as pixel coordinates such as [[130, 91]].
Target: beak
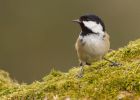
[[77, 21]]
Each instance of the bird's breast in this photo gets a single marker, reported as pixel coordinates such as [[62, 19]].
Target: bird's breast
[[94, 44]]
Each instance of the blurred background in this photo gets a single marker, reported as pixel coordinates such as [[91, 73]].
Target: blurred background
[[38, 35]]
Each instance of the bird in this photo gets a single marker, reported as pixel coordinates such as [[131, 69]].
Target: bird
[[93, 41]]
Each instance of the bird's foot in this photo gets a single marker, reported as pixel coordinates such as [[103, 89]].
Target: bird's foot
[[115, 64], [112, 62], [80, 73]]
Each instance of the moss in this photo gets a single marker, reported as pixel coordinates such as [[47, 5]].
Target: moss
[[100, 81]]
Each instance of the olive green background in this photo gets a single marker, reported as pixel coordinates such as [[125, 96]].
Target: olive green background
[[38, 35]]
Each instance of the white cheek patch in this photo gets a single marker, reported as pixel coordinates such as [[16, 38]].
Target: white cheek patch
[[93, 26]]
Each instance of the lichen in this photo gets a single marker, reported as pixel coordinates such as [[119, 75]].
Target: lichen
[[100, 81]]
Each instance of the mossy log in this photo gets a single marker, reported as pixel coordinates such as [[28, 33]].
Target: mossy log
[[100, 81]]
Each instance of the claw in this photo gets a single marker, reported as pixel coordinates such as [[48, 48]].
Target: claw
[[80, 73], [115, 64], [112, 63]]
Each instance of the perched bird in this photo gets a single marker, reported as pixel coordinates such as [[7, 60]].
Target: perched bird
[[93, 41]]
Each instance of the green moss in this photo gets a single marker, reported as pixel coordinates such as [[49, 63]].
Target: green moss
[[100, 81]]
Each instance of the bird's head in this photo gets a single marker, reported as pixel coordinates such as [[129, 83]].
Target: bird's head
[[91, 23]]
